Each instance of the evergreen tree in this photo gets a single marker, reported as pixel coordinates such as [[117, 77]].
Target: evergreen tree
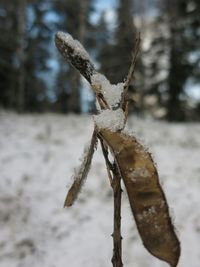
[[8, 43], [175, 42], [24, 52], [37, 49], [184, 38], [20, 54]]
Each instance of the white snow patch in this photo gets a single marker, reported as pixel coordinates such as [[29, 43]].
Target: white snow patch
[[98, 106], [79, 50], [110, 119], [111, 92], [37, 156]]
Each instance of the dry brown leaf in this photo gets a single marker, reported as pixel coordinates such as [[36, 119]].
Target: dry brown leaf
[[81, 175], [147, 200]]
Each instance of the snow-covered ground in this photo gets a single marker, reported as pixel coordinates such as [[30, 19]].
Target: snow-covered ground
[[37, 157]]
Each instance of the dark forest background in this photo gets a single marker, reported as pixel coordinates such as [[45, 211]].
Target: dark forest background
[[166, 84]]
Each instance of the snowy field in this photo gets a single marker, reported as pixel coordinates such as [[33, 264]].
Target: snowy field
[[37, 156]]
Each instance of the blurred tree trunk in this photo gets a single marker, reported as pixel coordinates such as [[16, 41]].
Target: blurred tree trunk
[[74, 18], [75, 99], [115, 56], [84, 4], [20, 54], [184, 56], [175, 79], [142, 74], [125, 37]]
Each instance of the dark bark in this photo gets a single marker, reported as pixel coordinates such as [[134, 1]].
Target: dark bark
[[176, 77]]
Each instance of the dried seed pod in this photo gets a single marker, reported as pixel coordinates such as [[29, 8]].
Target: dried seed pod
[[81, 172], [147, 200]]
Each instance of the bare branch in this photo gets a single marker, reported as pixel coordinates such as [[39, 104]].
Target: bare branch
[[115, 181], [109, 165], [131, 69], [117, 238]]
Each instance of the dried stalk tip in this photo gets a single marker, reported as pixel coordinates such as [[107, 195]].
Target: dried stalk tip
[[73, 51], [75, 45]]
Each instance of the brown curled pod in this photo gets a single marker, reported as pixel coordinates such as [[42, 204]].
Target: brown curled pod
[[147, 199]]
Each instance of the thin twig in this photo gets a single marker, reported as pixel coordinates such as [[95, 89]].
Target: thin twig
[[115, 180], [117, 238], [102, 102], [131, 70], [109, 165]]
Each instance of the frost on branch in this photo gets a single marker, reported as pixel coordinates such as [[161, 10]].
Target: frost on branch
[[112, 92], [110, 119], [114, 118], [78, 49]]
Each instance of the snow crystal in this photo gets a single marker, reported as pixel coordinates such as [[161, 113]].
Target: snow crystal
[[74, 44], [111, 92], [110, 119]]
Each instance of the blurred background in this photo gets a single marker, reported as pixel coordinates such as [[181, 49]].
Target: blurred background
[[45, 121], [34, 77]]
